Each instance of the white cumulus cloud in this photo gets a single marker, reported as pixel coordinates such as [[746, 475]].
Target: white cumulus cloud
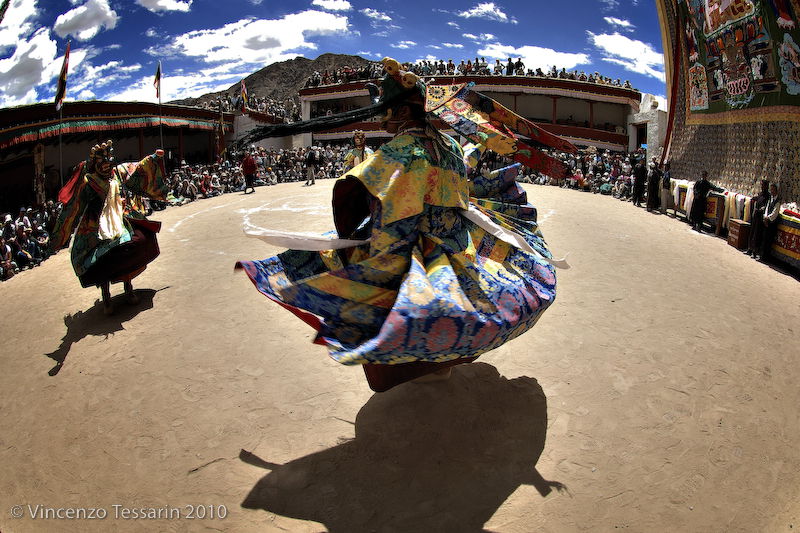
[[453, 45], [620, 23], [485, 10], [333, 5], [256, 41], [86, 21], [18, 23], [535, 56], [166, 5], [26, 68], [376, 16], [404, 44], [635, 56]]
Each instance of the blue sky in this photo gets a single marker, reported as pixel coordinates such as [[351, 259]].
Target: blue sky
[[207, 45]]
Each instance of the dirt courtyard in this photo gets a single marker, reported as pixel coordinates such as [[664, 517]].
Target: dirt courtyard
[[658, 393]]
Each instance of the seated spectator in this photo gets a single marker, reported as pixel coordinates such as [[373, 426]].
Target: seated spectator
[[9, 228], [23, 218], [42, 239], [7, 265]]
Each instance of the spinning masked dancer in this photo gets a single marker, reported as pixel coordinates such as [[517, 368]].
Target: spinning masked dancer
[[426, 269], [113, 241], [360, 151]]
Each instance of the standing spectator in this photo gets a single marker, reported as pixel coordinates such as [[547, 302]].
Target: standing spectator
[[313, 160], [653, 185], [249, 170], [758, 206], [666, 188], [498, 67], [509, 67], [698, 210], [639, 180]]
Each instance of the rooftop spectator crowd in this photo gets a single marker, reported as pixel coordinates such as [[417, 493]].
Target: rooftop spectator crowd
[[345, 74], [288, 110], [478, 67]]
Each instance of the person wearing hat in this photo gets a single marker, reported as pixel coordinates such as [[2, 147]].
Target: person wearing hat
[[419, 277], [112, 242]]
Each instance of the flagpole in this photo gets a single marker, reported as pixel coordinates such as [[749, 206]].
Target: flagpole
[[61, 94], [157, 84], [160, 128], [60, 153]]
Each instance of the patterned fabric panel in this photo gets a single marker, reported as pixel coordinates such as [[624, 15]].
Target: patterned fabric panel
[[431, 285], [786, 246], [401, 176]]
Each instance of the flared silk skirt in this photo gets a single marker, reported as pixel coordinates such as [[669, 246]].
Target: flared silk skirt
[[436, 288], [128, 260]]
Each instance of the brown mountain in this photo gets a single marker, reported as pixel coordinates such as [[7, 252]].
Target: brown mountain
[[282, 80]]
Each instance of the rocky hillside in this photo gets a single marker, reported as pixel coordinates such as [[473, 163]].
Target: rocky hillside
[[282, 80]]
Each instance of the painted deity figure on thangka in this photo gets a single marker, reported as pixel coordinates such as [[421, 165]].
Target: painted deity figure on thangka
[[360, 151], [113, 241], [744, 50], [426, 269]]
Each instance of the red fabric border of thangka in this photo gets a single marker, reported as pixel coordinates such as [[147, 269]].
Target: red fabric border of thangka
[[676, 58], [309, 318]]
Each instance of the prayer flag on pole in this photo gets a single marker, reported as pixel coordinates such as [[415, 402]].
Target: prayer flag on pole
[[61, 92], [157, 81], [244, 97]]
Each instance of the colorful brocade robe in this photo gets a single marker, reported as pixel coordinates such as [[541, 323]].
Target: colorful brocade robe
[[81, 210], [429, 284]]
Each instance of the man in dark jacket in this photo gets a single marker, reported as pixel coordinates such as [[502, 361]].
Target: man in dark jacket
[[653, 185], [698, 211], [639, 180], [313, 160], [666, 188]]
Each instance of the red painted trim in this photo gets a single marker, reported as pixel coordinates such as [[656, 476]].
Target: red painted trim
[[673, 104]]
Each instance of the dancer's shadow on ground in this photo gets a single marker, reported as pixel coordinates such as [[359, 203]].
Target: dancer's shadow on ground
[[93, 322], [426, 457]]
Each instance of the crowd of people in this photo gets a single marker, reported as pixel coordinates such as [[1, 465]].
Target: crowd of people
[[631, 178], [25, 239], [24, 242], [627, 177], [288, 110], [346, 74], [478, 67]]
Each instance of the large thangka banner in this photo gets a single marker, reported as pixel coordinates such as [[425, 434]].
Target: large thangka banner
[[741, 54]]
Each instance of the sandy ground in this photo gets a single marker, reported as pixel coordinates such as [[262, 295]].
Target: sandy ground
[[658, 393]]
